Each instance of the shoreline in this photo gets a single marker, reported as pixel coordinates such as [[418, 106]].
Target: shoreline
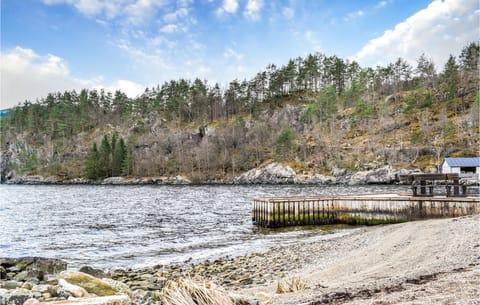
[[387, 263], [420, 262]]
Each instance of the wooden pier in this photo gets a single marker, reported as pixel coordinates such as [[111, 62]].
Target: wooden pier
[[274, 212]]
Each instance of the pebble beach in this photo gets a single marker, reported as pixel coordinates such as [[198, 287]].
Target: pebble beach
[[422, 262]]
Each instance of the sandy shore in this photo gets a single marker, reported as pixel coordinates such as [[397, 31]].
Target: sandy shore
[[423, 262]]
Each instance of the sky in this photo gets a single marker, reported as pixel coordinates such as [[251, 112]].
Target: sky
[[57, 45]]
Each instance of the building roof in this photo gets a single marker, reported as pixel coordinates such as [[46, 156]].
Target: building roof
[[463, 162]]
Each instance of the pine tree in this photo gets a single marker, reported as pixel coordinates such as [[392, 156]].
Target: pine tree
[[119, 155], [92, 166], [127, 164], [105, 158]]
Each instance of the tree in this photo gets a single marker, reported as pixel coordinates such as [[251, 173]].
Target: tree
[[92, 165], [425, 71], [285, 144], [450, 76], [104, 158], [119, 155]]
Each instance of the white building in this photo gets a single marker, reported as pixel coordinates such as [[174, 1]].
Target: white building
[[466, 166]]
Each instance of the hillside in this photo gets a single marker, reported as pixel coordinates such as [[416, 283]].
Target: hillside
[[320, 115]]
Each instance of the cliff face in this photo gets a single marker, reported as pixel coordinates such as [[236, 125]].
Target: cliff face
[[390, 133]]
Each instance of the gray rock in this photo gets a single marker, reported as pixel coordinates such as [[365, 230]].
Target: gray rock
[[11, 284], [273, 173], [3, 273], [383, 175], [92, 271], [39, 264], [17, 297]]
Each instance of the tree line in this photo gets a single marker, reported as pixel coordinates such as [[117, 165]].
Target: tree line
[[324, 84], [112, 159]]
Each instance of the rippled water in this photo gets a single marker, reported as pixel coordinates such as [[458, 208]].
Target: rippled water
[[135, 226]]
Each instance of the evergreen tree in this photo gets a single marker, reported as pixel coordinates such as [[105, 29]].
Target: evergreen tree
[[127, 164], [104, 158], [119, 154], [92, 166], [450, 76], [285, 143]]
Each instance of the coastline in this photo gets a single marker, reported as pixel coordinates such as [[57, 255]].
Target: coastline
[[423, 262], [434, 261]]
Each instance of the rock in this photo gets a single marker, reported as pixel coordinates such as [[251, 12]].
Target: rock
[[3, 273], [71, 289], [36, 264], [52, 290], [120, 299], [31, 301], [10, 284], [89, 283], [273, 173], [17, 297], [27, 285], [383, 175], [115, 181], [92, 271], [119, 286]]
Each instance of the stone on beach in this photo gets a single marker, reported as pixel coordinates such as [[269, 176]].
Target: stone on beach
[[120, 299], [74, 290], [89, 283]]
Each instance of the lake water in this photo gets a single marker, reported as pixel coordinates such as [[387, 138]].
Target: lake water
[[137, 226]]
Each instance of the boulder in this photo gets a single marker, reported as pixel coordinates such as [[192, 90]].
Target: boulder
[[92, 271], [39, 264], [71, 289], [89, 283], [120, 299], [45, 288], [16, 297], [115, 181], [10, 284], [31, 301], [383, 175], [273, 173]]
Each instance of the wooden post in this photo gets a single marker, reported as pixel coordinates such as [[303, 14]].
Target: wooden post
[[423, 188]]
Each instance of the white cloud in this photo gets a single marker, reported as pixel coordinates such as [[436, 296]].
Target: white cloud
[[311, 38], [383, 4], [228, 6], [142, 10], [176, 15], [288, 12], [443, 28], [130, 88], [354, 15], [26, 75], [169, 28], [131, 11], [252, 11], [229, 53]]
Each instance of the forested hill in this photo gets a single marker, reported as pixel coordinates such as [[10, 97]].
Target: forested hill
[[318, 114]]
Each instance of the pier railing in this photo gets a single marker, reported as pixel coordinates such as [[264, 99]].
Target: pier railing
[[362, 209]]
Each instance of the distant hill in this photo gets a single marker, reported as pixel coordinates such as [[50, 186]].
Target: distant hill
[[318, 114]]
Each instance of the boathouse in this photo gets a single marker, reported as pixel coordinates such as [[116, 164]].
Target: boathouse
[[462, 166]]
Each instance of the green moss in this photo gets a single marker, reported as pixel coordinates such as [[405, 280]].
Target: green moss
[[359, 220], [21, 265]]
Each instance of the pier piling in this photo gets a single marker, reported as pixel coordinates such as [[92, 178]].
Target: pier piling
[[359, 209]]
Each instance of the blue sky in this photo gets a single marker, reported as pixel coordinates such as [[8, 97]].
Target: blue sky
[[57, 45]]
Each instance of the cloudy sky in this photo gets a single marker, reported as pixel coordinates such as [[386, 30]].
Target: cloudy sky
[[57, 45]]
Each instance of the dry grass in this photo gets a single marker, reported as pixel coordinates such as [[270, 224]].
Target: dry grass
[[290, 284], [188, 292]]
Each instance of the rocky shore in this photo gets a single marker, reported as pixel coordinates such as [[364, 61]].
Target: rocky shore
[[273, 173], [424, 262]]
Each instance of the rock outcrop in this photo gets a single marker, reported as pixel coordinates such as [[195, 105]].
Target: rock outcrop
[[273, 173]]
